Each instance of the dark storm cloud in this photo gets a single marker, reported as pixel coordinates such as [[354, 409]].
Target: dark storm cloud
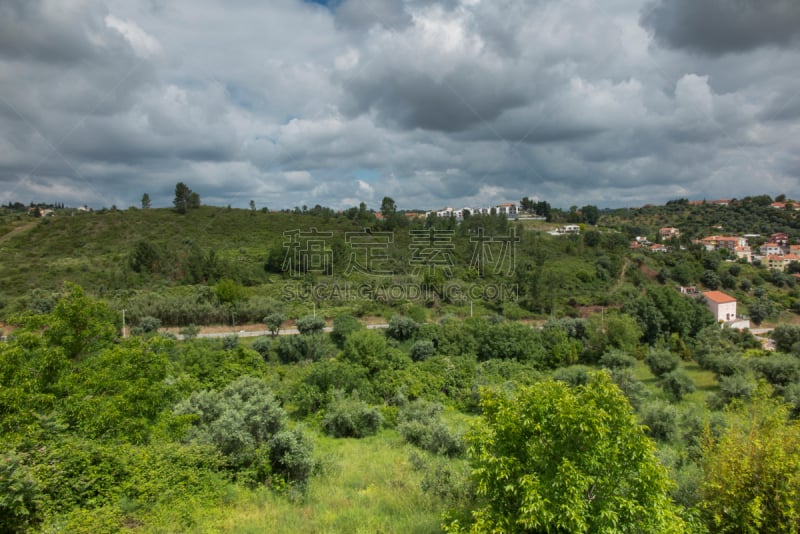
[[722, 26], [456, 102]]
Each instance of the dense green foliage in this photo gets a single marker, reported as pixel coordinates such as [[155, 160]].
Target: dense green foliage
[[102, 433]]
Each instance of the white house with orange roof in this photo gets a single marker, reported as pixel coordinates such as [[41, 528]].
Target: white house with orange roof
[[722, 305]]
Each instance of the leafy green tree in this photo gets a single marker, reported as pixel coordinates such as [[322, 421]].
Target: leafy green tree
[[785, 337], [145, 258], [343, 326], [20, 499], [710, 279], [590, 214], [550, 458], [761, 310], [145, 201], [751, 480], [79, 324], [310, 324], [677, 383], [661, 361], [401, 328], [605, 331], [274, 322], [229, 292], [194, 200]]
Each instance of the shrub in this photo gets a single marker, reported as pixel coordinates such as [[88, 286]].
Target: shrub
[[230, 342], [661, 420], [661, 361], [575, 375], [677, 383], [785, 336], [402, 328], [351, 418], [617, 359], [633, 389], [239, 421], [263, 346], [274, 322], [420, 424], [780, 370], [19, 494], [292, 349], [736, 386], [343, 326], [149, 324], [189, 332], [422, 350], [310, 325]]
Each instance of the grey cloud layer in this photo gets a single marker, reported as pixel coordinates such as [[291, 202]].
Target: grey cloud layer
[[433, 103]]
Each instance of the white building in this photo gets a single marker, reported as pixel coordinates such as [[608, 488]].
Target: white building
[[723, 306]]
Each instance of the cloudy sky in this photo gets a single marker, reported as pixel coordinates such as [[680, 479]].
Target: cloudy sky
[[434, 103]]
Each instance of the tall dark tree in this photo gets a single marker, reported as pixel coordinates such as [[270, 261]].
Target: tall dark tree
[[182, 194], [145, 201], [590, 214]]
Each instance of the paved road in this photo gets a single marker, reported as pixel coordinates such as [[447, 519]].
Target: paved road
[[259, 333]]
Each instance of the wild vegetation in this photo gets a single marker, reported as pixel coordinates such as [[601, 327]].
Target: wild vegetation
[[601, 400]]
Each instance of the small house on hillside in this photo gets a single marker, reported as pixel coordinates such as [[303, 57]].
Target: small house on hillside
[[723, 306]]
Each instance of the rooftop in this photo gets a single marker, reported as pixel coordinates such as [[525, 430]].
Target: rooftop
[[718, 296]]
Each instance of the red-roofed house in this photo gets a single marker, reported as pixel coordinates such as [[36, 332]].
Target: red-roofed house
[[669, 232], [779, 262], [723, 306]]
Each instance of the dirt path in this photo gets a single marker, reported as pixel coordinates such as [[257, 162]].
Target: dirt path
[[621, 280], [16, 231]]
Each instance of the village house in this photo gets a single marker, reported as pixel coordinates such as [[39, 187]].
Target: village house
[[669, 233], [771, 249], [744, 253], [717, 242], [722, 306], [779, 262], [781, 238]]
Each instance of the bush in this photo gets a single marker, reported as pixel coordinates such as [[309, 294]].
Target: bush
[[420, 424], [661, 420], [274, 322], [292, 349], [343, 326], [310, 325], [677, 383], [230, 342], [575, 375], [617, 359], [661, 361], [402, 328], [422, 350], [263, 346], [189, 332], [780, 370], [351, 418], [736, 386], [149, 324], [239, 421], [785, 336], [19, 494], [633, 389]]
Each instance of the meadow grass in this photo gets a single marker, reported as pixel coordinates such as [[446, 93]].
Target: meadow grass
[[365, 485]]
